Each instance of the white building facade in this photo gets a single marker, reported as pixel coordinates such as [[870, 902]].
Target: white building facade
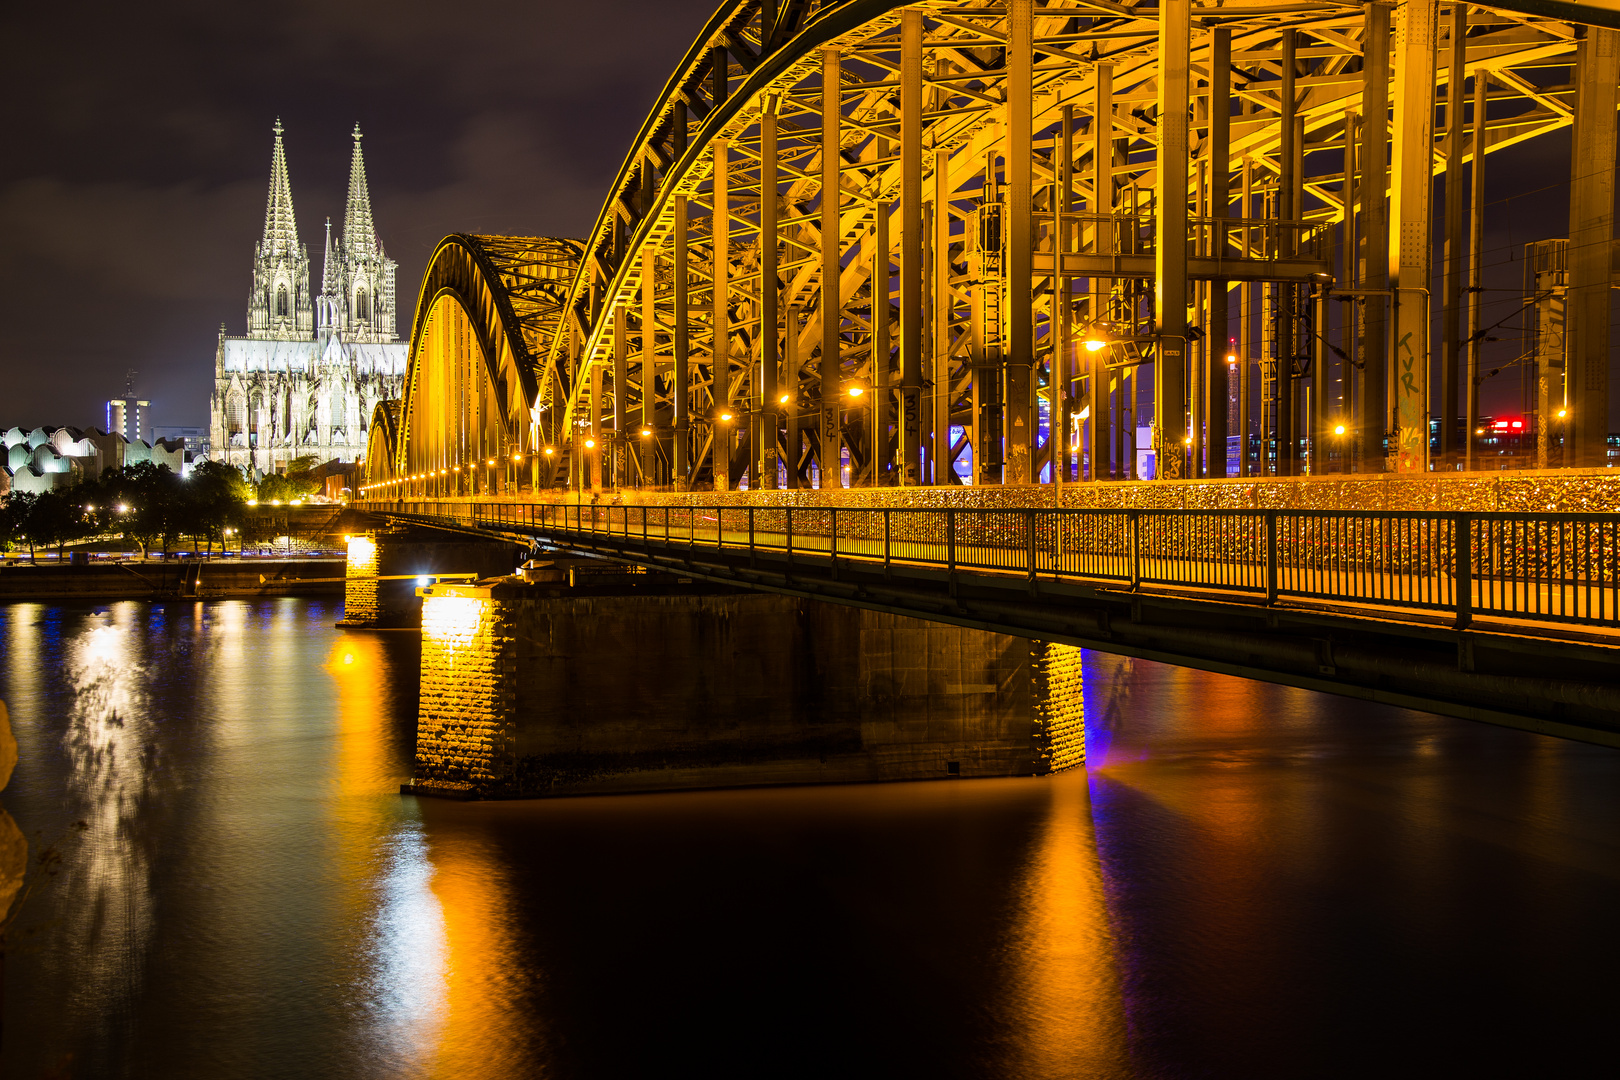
[[305, 378]]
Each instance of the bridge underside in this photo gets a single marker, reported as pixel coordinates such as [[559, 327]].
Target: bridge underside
[[1496, 671]]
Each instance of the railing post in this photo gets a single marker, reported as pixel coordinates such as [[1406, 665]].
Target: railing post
[[1271, 556], [1135, 528], [1029, 524], [1463, 541], [750, 536], [789, 543], [950, 549], [885, 542], [832, 542]]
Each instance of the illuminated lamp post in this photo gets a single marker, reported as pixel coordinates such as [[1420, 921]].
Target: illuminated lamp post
[[720, 450], [856, 391]]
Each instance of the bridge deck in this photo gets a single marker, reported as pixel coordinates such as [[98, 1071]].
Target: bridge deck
[[1512, 619]]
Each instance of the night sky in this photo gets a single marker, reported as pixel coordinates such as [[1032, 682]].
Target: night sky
[[138, 144], [138, 154]]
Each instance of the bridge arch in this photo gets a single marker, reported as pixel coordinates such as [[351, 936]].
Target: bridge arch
[[467, 421], [927, 96]]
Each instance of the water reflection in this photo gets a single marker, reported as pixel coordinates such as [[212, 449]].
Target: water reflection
[[1066, 991], [383, 866], [112, 762], [1247, 881]]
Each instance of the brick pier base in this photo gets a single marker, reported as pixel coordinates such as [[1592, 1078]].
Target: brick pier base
[[548, 689]]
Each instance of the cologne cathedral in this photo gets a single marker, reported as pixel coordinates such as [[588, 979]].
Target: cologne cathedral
[[305, 378]]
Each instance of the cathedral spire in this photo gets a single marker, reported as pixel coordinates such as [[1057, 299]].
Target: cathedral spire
[[359, 233], [280, 226], [330, 286]]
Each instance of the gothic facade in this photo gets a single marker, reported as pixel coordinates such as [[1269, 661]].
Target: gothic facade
[[304, 379]]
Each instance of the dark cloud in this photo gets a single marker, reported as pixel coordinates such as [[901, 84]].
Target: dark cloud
[[138, 159]]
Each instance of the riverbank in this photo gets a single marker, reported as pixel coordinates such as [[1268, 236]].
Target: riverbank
[[142, 579]]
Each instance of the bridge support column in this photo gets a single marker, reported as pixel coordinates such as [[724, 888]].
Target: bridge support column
[[911, 247], [1373, 157], [681, 393], [1103, 458], [1591, 248], [1170, 242], [1410, 190], [1220, 169], [385, 568], [765, 408], [832, 250], [523, 693], [1021, 439]]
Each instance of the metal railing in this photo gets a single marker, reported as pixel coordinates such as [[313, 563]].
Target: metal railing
[[1550, 568]]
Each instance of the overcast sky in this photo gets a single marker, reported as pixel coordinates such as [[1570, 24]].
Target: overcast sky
[[137, 160], [138, 143]]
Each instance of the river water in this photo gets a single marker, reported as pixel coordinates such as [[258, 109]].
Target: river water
[[1247, 881]]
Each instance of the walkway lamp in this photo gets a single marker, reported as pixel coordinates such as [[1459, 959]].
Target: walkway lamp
[[1099, 335]]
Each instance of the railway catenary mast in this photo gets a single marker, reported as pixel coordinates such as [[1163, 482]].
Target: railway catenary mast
[[1033, 182]]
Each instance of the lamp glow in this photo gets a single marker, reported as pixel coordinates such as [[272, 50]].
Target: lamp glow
[[1339, 430]]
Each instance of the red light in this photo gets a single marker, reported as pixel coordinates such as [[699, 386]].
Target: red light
[[1500, 425], [1518, 423]]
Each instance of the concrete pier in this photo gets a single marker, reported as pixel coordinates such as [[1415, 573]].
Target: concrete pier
[[544, 689], [385, 568]]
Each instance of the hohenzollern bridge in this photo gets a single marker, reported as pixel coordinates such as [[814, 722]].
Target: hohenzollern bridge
[[1155, 327]]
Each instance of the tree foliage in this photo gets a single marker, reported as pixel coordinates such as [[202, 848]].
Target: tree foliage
[[146, 502]]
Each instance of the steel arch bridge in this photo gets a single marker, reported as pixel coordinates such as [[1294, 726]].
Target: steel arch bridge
[[935, 243]]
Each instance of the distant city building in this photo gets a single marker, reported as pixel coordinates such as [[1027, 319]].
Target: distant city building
[[195, 438], [129, 415], [305, 378], [48, 458]]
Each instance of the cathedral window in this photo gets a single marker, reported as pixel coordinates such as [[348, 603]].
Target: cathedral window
[[361, 310], [281, 301]]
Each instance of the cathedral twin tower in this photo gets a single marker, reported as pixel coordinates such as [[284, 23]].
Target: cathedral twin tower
[[306, 377]]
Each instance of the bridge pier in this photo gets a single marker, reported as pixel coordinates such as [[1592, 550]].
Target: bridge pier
[[646, 683], [385, 568]]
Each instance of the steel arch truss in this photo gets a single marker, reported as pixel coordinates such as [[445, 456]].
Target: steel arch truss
[[966, 188], [473, 405]]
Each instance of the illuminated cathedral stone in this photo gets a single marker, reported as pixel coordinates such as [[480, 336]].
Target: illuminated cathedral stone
[[305, 378]]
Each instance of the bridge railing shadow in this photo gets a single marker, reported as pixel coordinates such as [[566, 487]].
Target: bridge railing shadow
[[1557, 568]]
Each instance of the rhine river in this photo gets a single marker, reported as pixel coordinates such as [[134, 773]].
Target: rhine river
[[1247, 881]]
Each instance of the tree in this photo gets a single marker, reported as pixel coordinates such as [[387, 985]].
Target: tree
[[14, 513], [57, 518], [215, 499], [154, 502], [296, 483]]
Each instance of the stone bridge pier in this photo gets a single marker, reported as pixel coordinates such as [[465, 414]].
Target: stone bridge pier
[[601, 680], [387, 566]]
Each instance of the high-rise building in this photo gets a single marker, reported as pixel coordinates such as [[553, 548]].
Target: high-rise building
[[129, 415], [305, 378]]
